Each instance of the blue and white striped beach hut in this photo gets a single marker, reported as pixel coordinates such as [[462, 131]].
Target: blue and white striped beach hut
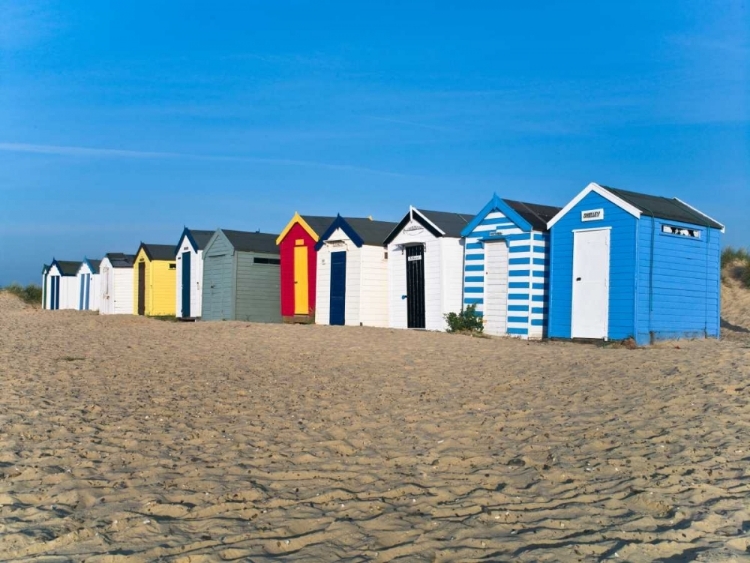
[[506, 261]]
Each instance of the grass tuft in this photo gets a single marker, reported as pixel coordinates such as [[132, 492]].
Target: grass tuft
[[737, 263], [31, 294]]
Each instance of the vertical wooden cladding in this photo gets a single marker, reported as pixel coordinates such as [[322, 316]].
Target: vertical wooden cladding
[[289, 248]]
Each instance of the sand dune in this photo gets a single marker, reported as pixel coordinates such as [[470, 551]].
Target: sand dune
[[126, 439], [735, 303]]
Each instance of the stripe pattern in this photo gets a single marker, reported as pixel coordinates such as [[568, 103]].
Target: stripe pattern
[[528, 273]]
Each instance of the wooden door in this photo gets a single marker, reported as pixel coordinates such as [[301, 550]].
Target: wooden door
[[590, 310], [496, 287], [338, 288], [301, 282], [141, 288], [415, 306], [186, 285]]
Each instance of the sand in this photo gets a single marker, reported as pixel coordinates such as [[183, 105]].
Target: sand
[[128, 439]]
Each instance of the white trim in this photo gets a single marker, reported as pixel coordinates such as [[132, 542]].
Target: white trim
[[592, 229], [413, 209], [699, 213], [606, 194]]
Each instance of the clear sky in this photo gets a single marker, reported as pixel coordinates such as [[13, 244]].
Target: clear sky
[[122, 122]]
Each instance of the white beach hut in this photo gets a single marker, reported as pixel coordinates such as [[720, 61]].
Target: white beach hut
[[352, 273], [88, 285], [116, 284], [63, 284], [425, 268], [189, 258]]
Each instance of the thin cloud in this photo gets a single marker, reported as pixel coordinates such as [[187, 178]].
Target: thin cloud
[[120, 153], [412, 123]]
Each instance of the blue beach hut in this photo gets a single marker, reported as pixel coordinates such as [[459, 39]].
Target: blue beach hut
[[627, 264], [506, 266]]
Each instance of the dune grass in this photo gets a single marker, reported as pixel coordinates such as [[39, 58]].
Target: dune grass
[[737, 262], [31, 294]]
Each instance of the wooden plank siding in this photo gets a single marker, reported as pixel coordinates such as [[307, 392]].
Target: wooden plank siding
[[160, 286], [622, 261], [258, 292], [680, 297], [218, 280]]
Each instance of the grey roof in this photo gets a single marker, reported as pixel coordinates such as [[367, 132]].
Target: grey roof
[[537, 215], [159, 251], [120, 260], [252, 242], [450, 223], [665, 208], [201, 238], [371, 232], [94, 265], [318, 224], [68, 267]]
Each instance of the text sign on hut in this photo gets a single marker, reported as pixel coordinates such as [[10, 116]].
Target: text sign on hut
[[592, 215], [414, 258]]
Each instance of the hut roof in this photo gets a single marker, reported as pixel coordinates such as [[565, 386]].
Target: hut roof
[[665, 208], [252, 242], [120, 260], [158, 251]]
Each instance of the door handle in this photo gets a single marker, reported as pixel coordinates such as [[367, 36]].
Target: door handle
[[578, 279]]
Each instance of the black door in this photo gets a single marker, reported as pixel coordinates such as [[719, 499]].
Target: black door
[[141, 288], [338, 288], [415, 286]]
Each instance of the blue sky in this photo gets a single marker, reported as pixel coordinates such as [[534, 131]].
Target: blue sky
[[122, 122]]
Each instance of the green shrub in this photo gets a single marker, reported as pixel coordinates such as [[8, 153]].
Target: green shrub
[[30, 294], [465, 321], [745, 275]]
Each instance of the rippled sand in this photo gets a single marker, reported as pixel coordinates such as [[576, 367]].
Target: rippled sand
[[127, 439]]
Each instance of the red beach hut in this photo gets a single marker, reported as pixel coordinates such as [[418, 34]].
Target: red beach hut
[[298, 266]]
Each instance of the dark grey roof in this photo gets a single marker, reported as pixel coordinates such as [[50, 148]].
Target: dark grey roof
[[537, 215], [371, 232], [252, 242], [201, 238], [159, 251], [664, 208], [318, 224], [68, 267], [450, 223], [94, 265], [120, 260]]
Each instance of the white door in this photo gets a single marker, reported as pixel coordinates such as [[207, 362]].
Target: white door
[[590, 284], [496, 287]]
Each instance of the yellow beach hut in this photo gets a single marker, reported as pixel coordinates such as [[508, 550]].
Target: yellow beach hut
[[154, 280]]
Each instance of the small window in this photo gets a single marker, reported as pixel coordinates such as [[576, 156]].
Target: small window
[[173, 266], [681, 231], [271, 261], [385, 255]]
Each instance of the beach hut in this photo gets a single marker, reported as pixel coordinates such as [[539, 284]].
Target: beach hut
[[241, 277], [425, 268], [154, 277], [88, 285], [63, 284], [506, 256], [299, 266], [189, 259], [352, 273], [631, 265], [45, 290], [116, 284]]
